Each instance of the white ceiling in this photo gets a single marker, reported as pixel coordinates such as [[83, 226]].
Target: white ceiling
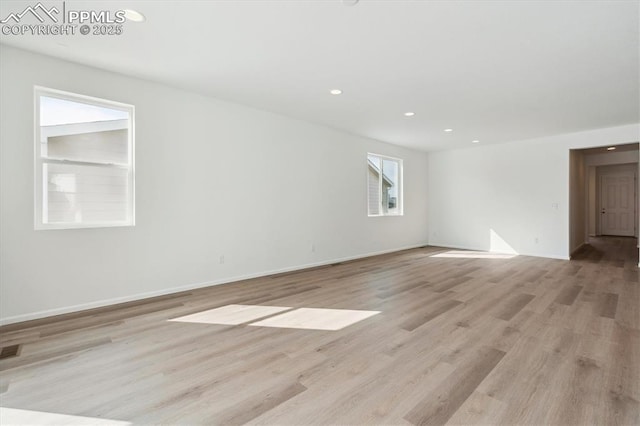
[[492, 70]]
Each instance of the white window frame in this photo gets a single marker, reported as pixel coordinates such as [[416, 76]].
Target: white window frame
[[39, 161], [400, 211]]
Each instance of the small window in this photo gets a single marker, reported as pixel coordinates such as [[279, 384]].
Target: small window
[[83, 161], [384, 185]]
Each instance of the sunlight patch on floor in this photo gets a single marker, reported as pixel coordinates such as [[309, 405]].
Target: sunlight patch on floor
[[232, 314], [316, 319], [463, 254], [273, 316], [14, 416]]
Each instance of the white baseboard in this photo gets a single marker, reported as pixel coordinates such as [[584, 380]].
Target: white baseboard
[[163, 292]]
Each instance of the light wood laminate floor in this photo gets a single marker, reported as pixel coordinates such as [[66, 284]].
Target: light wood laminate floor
[[457, 340]]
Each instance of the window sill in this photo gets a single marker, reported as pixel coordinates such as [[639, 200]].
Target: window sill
[[59, 226]]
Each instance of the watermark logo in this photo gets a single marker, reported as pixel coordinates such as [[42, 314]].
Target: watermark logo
[[62, 20], [38, 11]]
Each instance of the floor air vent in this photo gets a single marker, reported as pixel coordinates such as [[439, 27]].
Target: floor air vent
[[9, 351]]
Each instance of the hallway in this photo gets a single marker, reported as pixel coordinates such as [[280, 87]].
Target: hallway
[[621, 252]]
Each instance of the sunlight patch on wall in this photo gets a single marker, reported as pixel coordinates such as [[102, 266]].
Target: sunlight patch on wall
[[498, 244]]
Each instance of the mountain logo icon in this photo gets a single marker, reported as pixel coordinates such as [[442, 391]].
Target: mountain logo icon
[[38, 11]]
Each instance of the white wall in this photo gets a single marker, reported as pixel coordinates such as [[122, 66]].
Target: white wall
[[212, 179], [519, 190]]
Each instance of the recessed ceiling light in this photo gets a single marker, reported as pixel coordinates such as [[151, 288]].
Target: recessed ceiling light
[[475, 141], [611, 148], [335, 91], [409, 114], [134, 15], [448, 130]]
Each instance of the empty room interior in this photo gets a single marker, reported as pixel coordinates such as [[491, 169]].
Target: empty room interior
[[322, 212]]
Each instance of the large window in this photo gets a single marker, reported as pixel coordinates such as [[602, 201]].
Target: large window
[[384, 184], [83, 161]]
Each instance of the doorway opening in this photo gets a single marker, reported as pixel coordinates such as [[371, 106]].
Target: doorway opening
[[604, 197]]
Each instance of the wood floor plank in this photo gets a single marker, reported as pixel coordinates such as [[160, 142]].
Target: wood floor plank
[[245, 411], [438, 409], [23, 360], [569, 295], [609, 305], [514, 305], [394, 392], [397, 290], [478, 409], [453, 282], [432, 313]]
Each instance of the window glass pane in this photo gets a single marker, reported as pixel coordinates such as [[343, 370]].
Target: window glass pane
[[55, 111], [85, 194], [390, 186], [81, 132], [374, 160]]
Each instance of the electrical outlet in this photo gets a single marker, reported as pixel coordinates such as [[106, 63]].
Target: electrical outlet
[[221, 259], [536, 240], [313, 248]]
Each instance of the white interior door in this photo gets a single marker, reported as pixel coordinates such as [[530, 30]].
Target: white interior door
[[617, 204]]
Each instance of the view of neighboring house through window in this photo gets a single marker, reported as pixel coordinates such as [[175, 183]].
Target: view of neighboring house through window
[[84, 161], [384, 185]]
